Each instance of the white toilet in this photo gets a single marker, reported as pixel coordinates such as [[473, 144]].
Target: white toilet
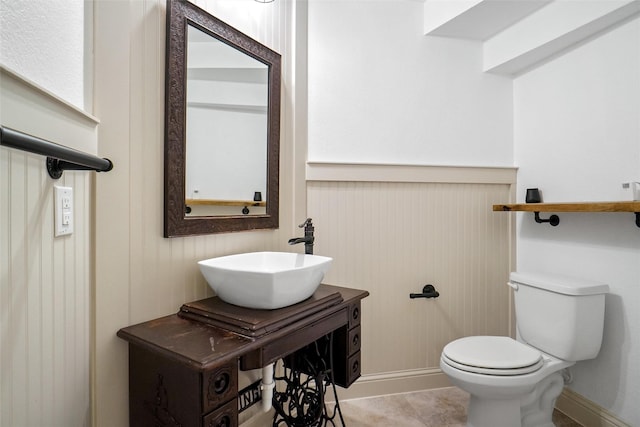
[[516, 382]]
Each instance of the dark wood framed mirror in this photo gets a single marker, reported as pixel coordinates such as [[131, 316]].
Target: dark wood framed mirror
[[222, 152]]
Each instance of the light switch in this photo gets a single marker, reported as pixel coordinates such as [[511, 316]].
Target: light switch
[[63, 206]]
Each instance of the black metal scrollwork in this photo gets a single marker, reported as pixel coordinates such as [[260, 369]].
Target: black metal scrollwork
[[307, 376]]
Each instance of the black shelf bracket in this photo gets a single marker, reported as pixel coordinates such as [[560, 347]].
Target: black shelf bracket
[[59, 157], [554, 220]]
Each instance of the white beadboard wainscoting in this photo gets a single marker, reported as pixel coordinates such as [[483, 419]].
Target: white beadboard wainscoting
[[392, 229], [45, 281], [141, 275]]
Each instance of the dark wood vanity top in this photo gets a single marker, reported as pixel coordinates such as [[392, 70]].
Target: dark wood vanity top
[[255, 323], [186, 341], [211, 332]]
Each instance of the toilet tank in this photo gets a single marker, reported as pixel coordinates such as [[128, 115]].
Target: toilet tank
[[559, 315]]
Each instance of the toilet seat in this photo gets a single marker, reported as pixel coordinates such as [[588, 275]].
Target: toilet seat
[[492, 355]]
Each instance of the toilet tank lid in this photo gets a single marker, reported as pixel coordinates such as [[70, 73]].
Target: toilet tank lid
[[560, 284]]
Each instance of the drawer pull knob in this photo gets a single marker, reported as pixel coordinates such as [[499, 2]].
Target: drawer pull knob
[[222, 422], [221, 383]]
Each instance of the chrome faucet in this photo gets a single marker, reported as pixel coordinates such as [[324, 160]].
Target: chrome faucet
[[308, 237]]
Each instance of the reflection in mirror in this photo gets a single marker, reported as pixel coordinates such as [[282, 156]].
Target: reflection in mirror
[[227, 98], [222, 126]]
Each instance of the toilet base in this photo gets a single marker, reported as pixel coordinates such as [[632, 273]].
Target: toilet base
[[537, 408], [534, 409], [493, 412]]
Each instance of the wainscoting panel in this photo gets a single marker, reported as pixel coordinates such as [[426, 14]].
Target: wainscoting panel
[[391, 238], [45, 281], [140, 275]]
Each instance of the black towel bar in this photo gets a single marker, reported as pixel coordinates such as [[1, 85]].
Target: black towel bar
[[428, 291], [59, 157]]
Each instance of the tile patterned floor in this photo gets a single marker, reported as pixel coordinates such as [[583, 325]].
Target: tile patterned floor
[[445, 407]]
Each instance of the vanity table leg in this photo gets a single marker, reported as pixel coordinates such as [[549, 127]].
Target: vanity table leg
[[163, 392], [157, 391]]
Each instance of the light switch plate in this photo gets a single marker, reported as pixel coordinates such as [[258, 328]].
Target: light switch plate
[[63, 206]]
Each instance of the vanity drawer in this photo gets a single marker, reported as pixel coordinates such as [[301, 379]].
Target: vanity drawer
[[346, 342], [219, 385], [347, 371], [226, 416], [354, 341], [354, 314], [293, 340]]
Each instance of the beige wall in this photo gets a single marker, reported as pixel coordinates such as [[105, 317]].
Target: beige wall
[[45, 281], [393, 229], [141, 275]]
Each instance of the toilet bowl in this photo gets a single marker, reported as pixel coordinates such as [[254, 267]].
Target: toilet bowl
[[515, 383], [510, 384]]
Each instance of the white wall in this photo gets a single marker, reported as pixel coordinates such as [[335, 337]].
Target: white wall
[[577, 137], [223, 170], [382, 92], [44, 40]]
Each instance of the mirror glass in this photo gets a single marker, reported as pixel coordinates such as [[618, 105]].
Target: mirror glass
[[227, 98], [222, 126]]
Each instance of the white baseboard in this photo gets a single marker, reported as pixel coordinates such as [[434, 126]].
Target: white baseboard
[[393, 383], [586, 412], [258, 419], [376, 172], [570, 403], [366, 386]]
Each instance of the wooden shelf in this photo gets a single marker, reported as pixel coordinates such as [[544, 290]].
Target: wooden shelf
[[212, 202], [570, 207]]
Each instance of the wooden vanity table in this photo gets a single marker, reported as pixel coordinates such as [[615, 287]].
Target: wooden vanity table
[[183, 368]]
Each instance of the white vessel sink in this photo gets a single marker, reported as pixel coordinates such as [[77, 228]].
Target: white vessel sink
[[265, 280]]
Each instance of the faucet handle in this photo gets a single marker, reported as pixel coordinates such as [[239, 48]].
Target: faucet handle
[[307, 222]]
